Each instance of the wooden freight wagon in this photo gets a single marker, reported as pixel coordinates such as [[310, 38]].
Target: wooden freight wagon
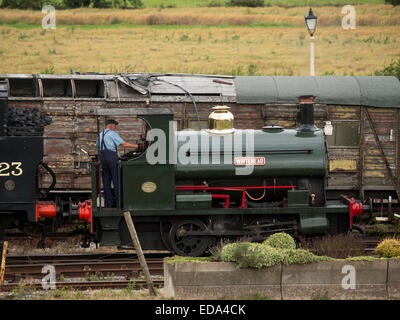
[[359, 114]]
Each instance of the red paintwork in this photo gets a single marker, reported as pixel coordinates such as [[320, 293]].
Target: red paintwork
[[45, 209], [85, 212]]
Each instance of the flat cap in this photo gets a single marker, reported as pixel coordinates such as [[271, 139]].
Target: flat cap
[[111, 121]]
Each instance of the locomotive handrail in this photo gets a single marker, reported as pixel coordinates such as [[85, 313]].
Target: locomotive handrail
[[242, 189], [200, 187], [53, 176], [307, 151]]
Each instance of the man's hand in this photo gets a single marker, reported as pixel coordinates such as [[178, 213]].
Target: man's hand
[[129, 145]]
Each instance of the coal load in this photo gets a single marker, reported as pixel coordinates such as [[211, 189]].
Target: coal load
[[26, 122]]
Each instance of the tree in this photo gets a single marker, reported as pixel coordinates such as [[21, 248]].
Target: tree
[[22, 4], [393, 2], [245, 3], [76, 3], [135, 4], [100, 4]]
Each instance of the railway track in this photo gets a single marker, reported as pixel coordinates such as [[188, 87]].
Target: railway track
[[82, 271], [85, 285], [96, 270], [12, 236], [370, 244]]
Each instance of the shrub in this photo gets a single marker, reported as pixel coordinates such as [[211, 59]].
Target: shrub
[[62, 4], [76, 3], [338, 246], [232, 251], [388, 248], [255, 255], [59, 4], [216, 249], [393, 2], [378, 229], [258, 256], [49, 70], [362, 258], [135, 4], [22, 4], [214, 4], [115, 20], [301, 256], [393, 69], [100, 4], [245, 3], [281, 241]]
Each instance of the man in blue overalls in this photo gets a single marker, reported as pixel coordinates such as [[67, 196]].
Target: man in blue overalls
[[108, 141]]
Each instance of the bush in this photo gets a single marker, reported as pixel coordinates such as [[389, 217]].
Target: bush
[[301, 256], [214, 4], [22, 4], [245, 3], [230, 252], [393, 2], [251, 255], [255, 255], [388, 248], [281, 241], [76, 3], [362, 258], [393, 69], [135, 4], [338, 246], [100, 4], [66, 4]]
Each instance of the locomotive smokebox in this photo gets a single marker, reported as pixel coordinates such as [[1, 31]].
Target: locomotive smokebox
[[3, 107], [305, 116]]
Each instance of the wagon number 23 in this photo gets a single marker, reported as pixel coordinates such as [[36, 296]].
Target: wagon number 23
[[13, 168]]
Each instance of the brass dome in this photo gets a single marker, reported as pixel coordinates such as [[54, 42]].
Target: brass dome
[[220, 121]]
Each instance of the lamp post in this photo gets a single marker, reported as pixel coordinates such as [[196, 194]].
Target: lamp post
[[311, 23]]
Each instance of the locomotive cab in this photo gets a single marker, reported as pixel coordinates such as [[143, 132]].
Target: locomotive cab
[[144, 186]]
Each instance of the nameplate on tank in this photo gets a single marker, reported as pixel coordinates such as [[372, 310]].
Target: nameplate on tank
[[249, 161]]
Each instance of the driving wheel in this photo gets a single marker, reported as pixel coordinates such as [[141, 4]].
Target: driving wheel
[[188, 245]]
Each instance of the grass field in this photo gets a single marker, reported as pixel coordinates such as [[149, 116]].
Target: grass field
[[283, 3], [367, 15], [221, 41]]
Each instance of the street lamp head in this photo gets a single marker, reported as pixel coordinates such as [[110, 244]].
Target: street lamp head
[[311, 22]]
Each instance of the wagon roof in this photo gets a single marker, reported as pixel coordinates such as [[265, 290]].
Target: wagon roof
[[374, 91]]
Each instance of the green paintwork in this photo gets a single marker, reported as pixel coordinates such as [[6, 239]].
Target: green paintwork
[[298, 198], [193, 201], [332, 207], [110, 229], [135, 178], [138, 174], [312, 224], [286, 153]]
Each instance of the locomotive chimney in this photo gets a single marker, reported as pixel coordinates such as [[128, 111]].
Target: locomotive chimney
[[305, 116], [3, 107]]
